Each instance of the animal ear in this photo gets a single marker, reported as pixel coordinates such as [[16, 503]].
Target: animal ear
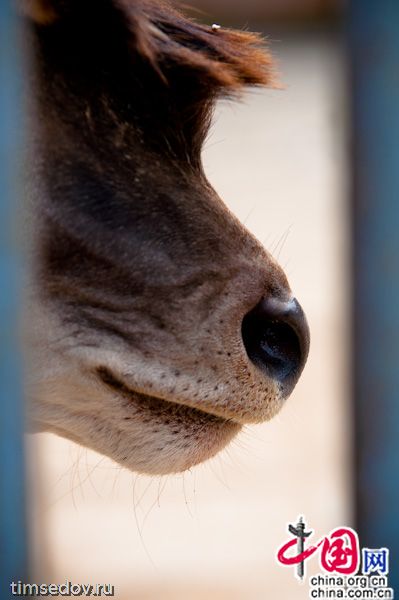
[[42, 12], [224, 59]]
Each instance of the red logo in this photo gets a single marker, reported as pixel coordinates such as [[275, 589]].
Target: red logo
[[340, 551]]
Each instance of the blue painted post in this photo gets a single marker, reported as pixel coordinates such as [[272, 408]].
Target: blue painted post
[[374, 52], [12, 495]]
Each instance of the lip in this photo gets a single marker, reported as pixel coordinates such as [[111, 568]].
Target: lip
[[159, 405], [172, 437]]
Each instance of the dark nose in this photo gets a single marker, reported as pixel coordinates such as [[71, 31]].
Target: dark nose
[[276, 338]]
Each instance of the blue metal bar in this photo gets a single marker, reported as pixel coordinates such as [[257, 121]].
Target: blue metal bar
[[374, 52], [12, 484]]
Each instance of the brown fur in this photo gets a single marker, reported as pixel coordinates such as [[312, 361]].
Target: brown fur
[[141, 277], [40, 11], [224, 59]]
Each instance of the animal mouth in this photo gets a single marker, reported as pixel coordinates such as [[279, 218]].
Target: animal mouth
[[174, 436], [156, 404]]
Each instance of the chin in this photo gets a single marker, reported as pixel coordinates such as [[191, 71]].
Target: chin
[[161, 437]]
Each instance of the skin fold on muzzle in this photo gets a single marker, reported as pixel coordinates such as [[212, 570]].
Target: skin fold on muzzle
[[156, 324]]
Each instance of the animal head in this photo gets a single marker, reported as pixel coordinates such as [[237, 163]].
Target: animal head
[[158, 325]]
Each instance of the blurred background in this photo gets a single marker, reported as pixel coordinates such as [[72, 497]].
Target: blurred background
[[282, 161]]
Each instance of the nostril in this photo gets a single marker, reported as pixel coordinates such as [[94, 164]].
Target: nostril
[[277, 346], [276, 338]]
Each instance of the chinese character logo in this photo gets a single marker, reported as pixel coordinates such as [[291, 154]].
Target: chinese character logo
[[375, 560], [340, 551], [302, 554]]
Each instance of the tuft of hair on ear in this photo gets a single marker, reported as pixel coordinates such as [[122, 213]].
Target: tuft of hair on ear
[[42, 12], [225, 60]]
